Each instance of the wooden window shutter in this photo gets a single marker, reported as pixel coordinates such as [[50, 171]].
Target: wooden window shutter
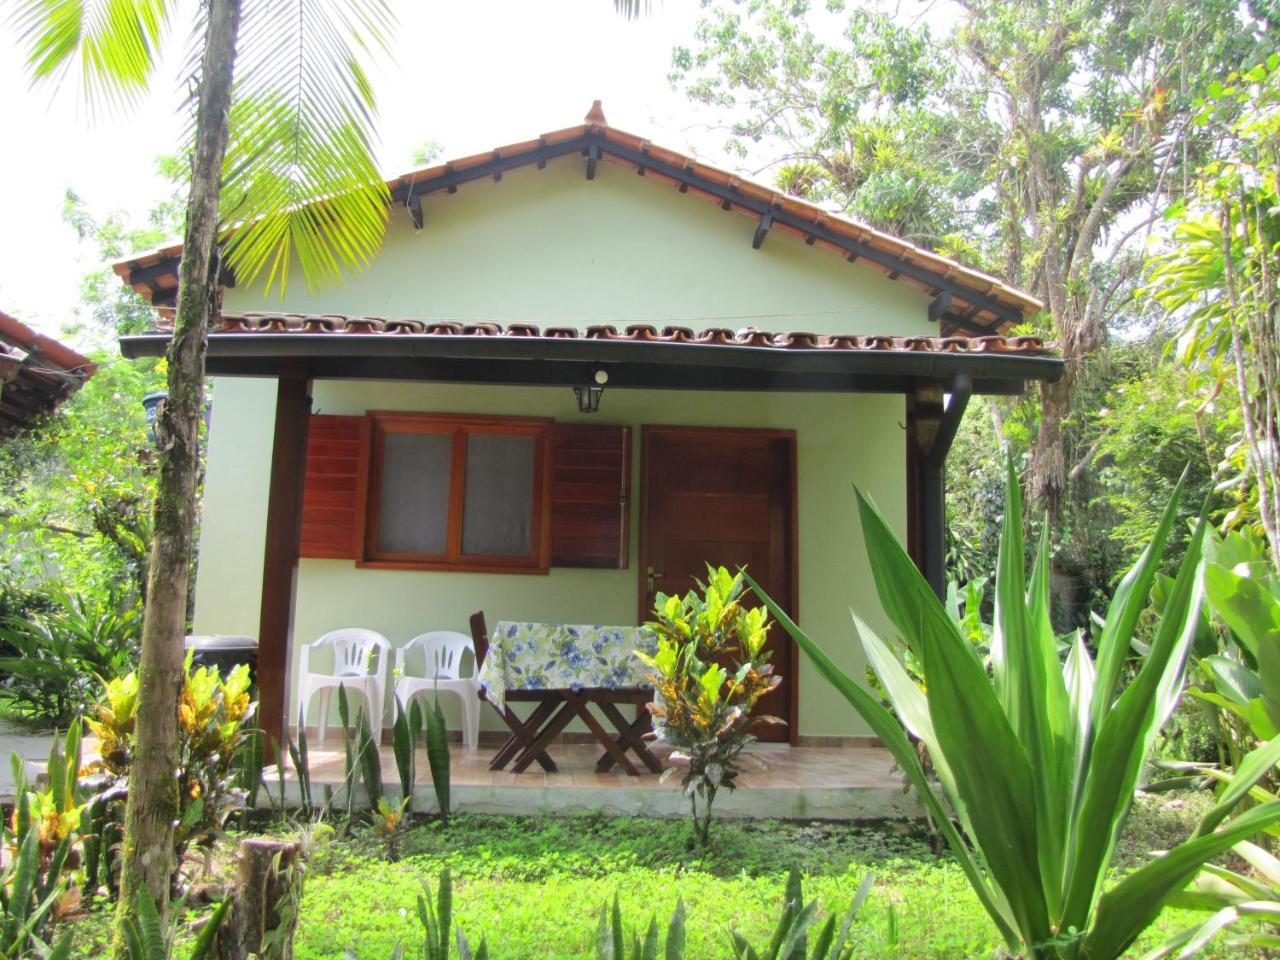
[[590, 495], [333, 498]]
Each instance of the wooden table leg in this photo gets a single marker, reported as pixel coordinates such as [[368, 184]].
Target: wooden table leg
[[630, 737], [613, 750], [523, 733], [550, 730]]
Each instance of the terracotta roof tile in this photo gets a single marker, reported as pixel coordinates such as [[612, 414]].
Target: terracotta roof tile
[[337, 324], [36, 374]]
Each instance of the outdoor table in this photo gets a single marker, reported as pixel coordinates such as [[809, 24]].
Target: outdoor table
[[566, 670]]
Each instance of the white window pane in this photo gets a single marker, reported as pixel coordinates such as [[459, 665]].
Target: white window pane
[[499, 498], [413, 506]]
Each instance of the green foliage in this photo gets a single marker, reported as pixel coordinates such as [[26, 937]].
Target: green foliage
[[1237, 660], [1150, 427], [437, 923], [613, 944], [53, 660], [1217, 275], [214, 716], [75, 492], [710, 668], [1246, 905], [146, 936], [533, 884], [790, 940], [300, 182], [1039, 760], [38, 839]]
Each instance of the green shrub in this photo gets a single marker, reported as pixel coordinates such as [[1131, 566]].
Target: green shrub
[[54, 659], [213, 727], [35, 890], [709, 670]]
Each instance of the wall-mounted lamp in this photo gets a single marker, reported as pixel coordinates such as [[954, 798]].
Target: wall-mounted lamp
[[589, 395]]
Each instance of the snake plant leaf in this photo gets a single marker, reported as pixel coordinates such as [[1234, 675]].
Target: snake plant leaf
[[650, 949], [209, 932], [793, 944], [438, 757], [1128, 908], [615, 928], [402, 746], [859, 898], [886, 727], [676, 933], [742, 950], [22, 885], [822, 944], [444, 909]]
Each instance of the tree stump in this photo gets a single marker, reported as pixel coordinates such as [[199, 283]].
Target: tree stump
[[265, 902]]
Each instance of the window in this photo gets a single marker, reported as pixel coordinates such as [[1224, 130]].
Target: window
[[458, 493]]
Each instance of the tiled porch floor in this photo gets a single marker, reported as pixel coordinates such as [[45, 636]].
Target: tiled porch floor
[[794, 782]]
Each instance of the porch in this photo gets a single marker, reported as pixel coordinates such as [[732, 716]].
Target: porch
[[779, 781]]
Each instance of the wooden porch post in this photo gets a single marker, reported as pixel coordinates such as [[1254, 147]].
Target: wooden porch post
[[280, 561], [931, 427]]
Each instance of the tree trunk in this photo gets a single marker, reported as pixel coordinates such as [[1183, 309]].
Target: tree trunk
[[153, 807], [265, 903], [1047, 474]]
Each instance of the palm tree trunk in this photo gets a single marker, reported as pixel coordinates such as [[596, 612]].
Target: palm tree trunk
[[153, 803]]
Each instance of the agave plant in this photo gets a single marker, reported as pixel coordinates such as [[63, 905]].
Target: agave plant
[[1038, 760]]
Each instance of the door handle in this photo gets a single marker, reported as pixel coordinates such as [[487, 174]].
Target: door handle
[[651, 576]]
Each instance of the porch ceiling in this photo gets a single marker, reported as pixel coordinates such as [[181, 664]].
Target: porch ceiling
[[641, 356]]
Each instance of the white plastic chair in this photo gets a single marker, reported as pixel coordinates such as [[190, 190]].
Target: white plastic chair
[[354, 649], [444, 651]]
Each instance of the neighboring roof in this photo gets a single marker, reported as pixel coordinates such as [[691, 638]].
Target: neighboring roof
[[337, 346], [966, 300], [36, 374]]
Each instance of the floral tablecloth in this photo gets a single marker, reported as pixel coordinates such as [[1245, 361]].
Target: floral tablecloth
[[553, 656]]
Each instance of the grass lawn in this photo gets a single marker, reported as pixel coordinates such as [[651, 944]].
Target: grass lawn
[[534, 886]]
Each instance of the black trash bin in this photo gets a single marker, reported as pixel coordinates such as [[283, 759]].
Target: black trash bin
[[225, 651]]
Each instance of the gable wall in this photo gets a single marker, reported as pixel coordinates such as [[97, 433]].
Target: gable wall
[[550, 247]]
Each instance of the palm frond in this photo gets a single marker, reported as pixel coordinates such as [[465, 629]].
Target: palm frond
[[300, 183], [633, 9], [110, 46]]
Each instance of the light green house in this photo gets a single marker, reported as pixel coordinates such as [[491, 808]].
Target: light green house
[[758, 356]]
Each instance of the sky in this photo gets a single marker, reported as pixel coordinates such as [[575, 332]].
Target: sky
[[468, 75]]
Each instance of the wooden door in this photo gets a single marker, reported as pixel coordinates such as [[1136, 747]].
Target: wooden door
[[724, 497]]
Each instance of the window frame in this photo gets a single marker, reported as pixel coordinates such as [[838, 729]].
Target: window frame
[[460, 427]]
